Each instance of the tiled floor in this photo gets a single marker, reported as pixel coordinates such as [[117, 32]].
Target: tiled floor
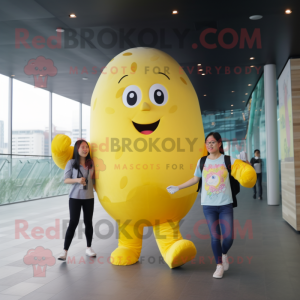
[[265, 266]]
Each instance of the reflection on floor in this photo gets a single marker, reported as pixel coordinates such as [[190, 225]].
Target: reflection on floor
[[265, 258]]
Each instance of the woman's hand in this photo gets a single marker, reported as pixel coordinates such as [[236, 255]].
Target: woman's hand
[[172, 189], [81, 180]]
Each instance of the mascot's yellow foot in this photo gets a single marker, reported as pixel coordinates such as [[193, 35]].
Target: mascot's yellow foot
[[123, 256], [180, 253]]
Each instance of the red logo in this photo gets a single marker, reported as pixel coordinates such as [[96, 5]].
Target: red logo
[[39, 258], [40, 68]]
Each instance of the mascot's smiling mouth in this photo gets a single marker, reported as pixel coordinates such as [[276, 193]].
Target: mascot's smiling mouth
[[146, 128]]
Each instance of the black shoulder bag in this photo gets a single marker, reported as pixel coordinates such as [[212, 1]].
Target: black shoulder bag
[[86, 179]]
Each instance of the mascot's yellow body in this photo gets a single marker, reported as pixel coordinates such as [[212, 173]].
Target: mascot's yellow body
[[146, 134]]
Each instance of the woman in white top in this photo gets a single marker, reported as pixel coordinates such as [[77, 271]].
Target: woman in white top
[[216, 196]]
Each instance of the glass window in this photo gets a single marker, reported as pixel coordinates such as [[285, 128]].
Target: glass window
[[30, 119], [86, 113], [30, 177], [65, 117], [256, 135], [4, 85]]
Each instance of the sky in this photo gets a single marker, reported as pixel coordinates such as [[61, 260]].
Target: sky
[[31, 108], [4, 102]]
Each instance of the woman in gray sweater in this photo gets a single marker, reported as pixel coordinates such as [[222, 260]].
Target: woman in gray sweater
[[79, 172]]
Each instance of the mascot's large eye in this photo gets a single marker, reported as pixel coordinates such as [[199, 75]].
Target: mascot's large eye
[[132, 96], [36, 68], [158, 94]]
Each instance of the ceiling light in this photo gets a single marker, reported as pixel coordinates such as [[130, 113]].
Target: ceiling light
[[12, 75], [232, 91], [288, 11], [84, 78], [232, 113], [199, 64], [249, 84], [231, 104], [243, 101], [232, 110], [72, 16], [246, 93], [174, 12], [255, 17], [252, 58], [200, 70], [203, 74], [251, 66], [60, 30], [204, 95]]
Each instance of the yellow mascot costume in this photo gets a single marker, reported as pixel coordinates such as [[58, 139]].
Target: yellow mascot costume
[[146, 133]]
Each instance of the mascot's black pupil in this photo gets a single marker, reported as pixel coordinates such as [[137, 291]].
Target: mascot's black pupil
[[131, 98], [45, 68], [36, 68], [159, 96]]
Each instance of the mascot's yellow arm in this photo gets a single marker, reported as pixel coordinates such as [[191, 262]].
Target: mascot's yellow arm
[[61, 150], [243, 173]]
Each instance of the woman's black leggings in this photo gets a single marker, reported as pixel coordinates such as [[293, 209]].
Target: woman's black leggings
[[88, 210]]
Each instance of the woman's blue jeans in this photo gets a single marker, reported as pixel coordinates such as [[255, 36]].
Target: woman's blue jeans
[[216, 217]]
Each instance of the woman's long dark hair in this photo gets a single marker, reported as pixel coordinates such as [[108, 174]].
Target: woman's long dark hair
[[76, 156], [218, 138]]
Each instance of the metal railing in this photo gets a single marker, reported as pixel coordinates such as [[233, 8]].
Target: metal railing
[[29, 177]]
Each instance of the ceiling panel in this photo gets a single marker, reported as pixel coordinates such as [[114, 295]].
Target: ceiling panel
[[279, 40]]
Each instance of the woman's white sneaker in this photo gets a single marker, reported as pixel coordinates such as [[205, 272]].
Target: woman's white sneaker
[[225, 262], [63, 255], [90, 252], [219, 272]]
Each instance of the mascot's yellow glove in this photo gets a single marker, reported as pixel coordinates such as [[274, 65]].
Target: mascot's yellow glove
[[243, 173], [61, 150]]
